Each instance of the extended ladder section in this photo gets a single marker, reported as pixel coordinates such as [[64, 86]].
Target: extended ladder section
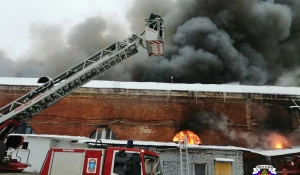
[[184, 158], [55, 89]]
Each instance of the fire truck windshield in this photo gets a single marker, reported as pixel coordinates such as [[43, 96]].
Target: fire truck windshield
[[127, 163], [152, 165]]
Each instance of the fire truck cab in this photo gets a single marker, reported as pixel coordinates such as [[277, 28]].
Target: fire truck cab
[[101, 161], [290, 166]]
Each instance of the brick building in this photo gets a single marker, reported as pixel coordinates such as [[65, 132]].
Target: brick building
[[158, 111]]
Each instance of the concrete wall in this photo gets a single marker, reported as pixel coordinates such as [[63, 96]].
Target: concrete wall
[[152, 115], [171, 160]]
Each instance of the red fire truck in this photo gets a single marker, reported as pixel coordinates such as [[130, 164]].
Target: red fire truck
[[290, 166], [102, 161], [53, 90]]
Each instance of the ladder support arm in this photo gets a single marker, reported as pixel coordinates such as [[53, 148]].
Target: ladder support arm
[[96, 65], [65, 83]]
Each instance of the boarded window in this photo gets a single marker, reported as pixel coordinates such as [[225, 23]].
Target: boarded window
[[223, 168]]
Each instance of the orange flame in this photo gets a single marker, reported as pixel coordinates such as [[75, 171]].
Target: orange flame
[[192, 138], [278, 145], [279, 141]]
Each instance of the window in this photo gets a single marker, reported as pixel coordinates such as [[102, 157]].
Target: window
[[103, 133], [192, 138], [24, 129], [125, 163], [199, 169]]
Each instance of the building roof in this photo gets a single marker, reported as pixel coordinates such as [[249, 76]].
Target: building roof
[[157, 144], [279, 152], [203, 147], [223, 88], [85, 140]]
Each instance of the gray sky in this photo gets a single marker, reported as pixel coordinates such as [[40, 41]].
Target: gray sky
[[255, 45], [16, 16]]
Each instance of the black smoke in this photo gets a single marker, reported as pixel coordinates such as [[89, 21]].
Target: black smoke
[[242, 41], [199, 122]]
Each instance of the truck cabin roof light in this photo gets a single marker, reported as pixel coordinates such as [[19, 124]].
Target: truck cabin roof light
[[129, 144], [43, 79]]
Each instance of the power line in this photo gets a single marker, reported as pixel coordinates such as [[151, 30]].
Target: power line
[[106, 123], [106, 118]]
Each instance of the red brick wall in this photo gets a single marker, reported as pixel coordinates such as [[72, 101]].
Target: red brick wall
[[143, 117]]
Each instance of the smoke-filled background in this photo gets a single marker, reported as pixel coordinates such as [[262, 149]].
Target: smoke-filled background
[[233, 41], [265, 137]]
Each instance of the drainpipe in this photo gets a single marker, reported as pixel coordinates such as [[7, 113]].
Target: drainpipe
[[269, 159]]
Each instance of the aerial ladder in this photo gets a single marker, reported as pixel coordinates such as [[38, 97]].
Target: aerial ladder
[[53, 90]]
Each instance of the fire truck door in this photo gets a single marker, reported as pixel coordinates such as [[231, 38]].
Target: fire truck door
[[92, 162], [66, 163]]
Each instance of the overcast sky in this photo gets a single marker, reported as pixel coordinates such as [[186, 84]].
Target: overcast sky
[[17, 15]]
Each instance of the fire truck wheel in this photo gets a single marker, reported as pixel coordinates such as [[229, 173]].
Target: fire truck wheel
[[2, 150]]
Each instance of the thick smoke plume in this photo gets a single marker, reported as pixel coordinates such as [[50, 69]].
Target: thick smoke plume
[[221, 124], [234, 41]]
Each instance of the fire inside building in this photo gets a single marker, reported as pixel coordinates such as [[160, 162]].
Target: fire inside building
[[222, 115]]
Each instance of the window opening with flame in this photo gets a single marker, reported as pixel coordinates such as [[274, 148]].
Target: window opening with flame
[[279, 142], [192, 138]]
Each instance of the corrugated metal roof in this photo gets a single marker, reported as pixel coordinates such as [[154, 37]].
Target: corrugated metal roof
[[85, 140], [159, 144], [204, 147], [223, 88]]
